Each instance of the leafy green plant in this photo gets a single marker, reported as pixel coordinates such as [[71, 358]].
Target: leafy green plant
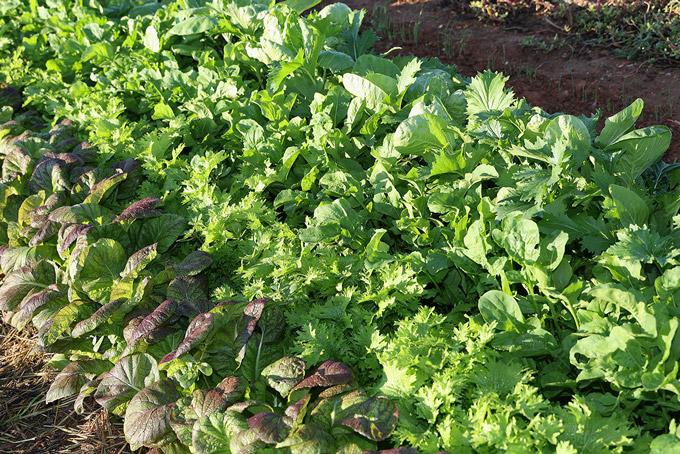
[[505, 275]]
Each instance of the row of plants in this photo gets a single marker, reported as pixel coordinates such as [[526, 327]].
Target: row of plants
[[125, 310], [507, 277]]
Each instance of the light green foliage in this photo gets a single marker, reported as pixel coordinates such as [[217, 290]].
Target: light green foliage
[[508, 276]]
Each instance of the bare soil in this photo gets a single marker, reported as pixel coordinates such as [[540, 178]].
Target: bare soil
[[571, 79]]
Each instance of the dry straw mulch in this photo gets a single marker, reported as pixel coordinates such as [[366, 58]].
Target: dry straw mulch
[[30, 426]]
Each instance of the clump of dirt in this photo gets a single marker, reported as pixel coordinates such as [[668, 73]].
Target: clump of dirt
[[574, 79], [30, 426]]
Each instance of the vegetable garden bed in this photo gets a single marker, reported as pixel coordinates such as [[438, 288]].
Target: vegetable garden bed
[[243, 231]]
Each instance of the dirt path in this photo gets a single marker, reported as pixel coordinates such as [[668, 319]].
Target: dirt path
[[568, 79]]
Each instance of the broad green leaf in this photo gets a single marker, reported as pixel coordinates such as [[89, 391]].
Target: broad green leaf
[[335, 61], [641, 148], [486, 95], [212, 433], [193, 25], [164, 230], [162, 111], [630, 207], [419, 133], [99, 317], [520, 238], [377, 252], [17, 257], [364, 89], [300, 5], [447, 162], [665, 444], [620, 124], [98, 268], [29, 204], [497, 306]]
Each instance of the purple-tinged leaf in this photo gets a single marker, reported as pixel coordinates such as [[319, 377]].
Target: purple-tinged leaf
[[246, 442], [66, 145], [191, 308], [270, 427], [72, 378], [125, 288], [375, 419], [159, 334], [25, 282], [103, 189], [298, 410], [45, 233], [147, 418], [231, 389], [38, 217], [100, 316], [52, 293], [68, 234], [82, 213], [63, 127], [187, 288], [132, 325], [13, 258], [140, 210], [210, 401], [132, 167], [85, 151], [49, 176], [198, 329], [16, 162], [33, 120], [9, 96], [86, 391], [85, 178], [229, 303], [154, 320], [251, 315], [72, 160], [284, 374], [338, 389], [139, 260], [127, 378], [327, 412], [193, 264], [240, 407], [330, 373], [60, 323]]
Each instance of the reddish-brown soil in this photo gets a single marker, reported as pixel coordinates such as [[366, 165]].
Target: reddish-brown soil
[[574, 79]]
